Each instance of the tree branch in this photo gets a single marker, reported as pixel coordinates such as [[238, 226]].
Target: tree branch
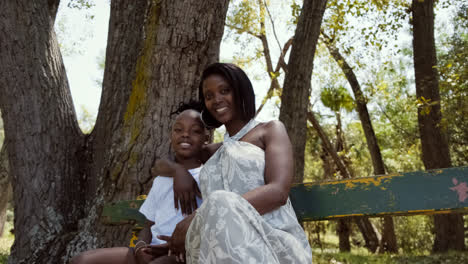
[[274, 81], [242, 30], [327, 145], [272, 23]]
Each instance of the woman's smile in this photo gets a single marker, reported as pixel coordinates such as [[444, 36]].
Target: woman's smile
[[221, 110]]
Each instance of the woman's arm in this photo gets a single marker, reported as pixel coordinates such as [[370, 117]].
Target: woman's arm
[[208, 151], [185, 187], [166, 167], [279, 170]]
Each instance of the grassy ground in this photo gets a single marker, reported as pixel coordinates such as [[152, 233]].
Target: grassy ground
[[327, 255], [363, 258]]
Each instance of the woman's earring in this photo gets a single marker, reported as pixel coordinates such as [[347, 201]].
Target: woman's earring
[[203, 120]]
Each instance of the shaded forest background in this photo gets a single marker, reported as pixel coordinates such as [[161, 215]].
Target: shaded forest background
[[361, 60]]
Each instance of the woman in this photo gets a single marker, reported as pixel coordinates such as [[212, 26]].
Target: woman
[[246, 216]]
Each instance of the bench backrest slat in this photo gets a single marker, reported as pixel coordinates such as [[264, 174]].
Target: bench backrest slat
[[422, 192]]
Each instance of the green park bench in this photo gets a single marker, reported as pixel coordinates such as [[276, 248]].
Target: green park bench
[[437, 191]]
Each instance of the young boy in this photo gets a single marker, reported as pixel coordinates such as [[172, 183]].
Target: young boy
[[188, 135]]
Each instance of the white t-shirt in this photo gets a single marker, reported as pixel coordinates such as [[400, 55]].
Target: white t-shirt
[[159, 206]]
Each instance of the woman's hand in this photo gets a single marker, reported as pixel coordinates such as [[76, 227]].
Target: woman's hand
[[185, 187], [176, 242]]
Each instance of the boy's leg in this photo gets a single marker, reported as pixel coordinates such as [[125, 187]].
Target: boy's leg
[[117, 255], [165, 260]]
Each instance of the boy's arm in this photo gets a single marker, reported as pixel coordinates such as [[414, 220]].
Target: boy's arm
[[185, 187], [145, 233], [144, 252], [143, 241]]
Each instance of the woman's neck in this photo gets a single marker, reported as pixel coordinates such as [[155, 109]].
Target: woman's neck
[[189, 163], [234, 126]]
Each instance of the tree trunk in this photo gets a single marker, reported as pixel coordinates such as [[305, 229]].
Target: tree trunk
[[371, 237], [61, 178], [41, 133], [5, 188], [435, 150], [296, 88], [344, 225], [344, 230], [389, 242]]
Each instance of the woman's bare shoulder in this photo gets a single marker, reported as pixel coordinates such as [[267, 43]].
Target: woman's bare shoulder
[[273, 126]]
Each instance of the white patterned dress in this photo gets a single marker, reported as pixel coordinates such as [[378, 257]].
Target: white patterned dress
[[226, 227]]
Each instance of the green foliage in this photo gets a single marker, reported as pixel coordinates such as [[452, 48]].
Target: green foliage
[[218, 136], [313, 170], [366, 258], [244, 17], [337, 98], [81, 4], [358, 152], [453, 69], [395, 117], [296, 12], [414, 233], [375, 23], [101, 62], [70, 35], [86, 120], [414, 239], [6, 241]]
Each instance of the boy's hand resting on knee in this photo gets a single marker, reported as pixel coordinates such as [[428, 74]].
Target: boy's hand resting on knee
[[142, 257], [176, 242], [156, 250]]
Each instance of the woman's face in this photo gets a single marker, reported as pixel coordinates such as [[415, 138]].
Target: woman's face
[[219, 99]]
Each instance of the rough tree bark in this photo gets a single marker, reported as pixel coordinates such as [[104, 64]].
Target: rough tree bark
[[388, 242], [61, 178], [296, 88], [449, 233]]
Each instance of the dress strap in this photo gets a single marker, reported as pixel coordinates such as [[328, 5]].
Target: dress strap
[[249, 126]]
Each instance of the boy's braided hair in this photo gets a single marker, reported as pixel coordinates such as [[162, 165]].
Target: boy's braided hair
[[190, 105]]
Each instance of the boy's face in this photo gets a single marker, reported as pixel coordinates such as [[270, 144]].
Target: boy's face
[[188, 134]]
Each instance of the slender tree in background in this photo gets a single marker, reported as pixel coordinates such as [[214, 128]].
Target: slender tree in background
[[5, 188], [388, 241], [449, 232], [156, 51], [296, 89], [250, 17]]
